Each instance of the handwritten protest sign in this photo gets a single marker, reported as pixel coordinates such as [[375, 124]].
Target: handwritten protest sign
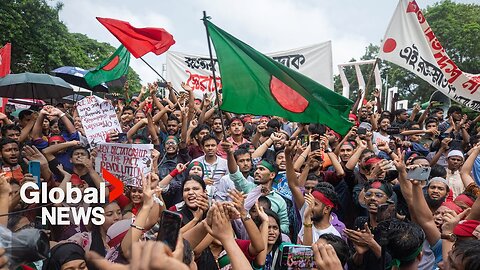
[[98, 117], [125, 161]]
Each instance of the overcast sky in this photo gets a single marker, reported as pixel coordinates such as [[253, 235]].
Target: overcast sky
[[266, 25]]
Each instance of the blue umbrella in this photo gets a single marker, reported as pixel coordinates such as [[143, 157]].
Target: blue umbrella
[[75, 76]]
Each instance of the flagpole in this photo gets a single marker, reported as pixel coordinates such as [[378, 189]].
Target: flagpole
[[212, 64], [369, 80], [175, 91]]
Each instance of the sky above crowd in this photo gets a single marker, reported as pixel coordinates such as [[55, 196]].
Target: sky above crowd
[[266, 25]]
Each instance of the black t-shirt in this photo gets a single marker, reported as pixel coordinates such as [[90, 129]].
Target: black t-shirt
[[370, 261]]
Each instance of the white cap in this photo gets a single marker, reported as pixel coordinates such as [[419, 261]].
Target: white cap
[[454, 153]]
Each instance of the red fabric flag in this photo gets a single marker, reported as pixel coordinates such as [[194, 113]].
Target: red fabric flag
[[5, 60], [139, 41]]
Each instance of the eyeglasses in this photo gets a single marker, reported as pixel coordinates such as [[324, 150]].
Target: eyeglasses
[[370, 194], [171, 143]]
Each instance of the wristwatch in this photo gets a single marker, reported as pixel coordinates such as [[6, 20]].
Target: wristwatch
[[247, 217], [450, 237]]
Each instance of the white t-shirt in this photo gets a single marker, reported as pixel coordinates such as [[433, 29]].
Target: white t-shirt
[[316, 233]]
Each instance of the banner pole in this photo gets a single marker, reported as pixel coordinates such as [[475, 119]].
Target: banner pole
[[175, 91], [369, 80], [212, 64]]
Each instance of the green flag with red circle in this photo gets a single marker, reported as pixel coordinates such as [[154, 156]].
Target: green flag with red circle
[[110, 69], [256, 84]]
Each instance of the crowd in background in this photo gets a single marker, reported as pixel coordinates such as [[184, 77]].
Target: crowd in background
[[398, 191]]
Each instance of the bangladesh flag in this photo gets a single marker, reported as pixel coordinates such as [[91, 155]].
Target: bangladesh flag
[[254, 83], [110, 69]]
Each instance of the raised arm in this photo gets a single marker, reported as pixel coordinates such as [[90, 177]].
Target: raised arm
[[352, 162], [357, 101], [37, 127], [136, 230], [292, 176], [26, 130], [405, 185], [443, 149], [152, 129], [222, 230], [63, 117], [262, 257], [424, 215], [465, 171], [4, 199], [424, 115], [256, 241], [416, 109], [333, 158], [51, 150], [260, 151]]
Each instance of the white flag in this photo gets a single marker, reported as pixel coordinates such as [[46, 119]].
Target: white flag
[[410, 43]]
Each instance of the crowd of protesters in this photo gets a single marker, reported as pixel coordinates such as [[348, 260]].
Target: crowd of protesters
[[247, 185]]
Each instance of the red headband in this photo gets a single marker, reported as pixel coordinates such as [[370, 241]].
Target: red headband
[[453, 206], [464, 198], [237, 120], [56, 138], [319, 196], [465, 228]]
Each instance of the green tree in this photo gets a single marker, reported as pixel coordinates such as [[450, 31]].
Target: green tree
[[41, 42]]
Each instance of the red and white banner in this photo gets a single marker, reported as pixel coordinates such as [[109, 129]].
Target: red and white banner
[[313, 61], [5, 55], [410, 43]]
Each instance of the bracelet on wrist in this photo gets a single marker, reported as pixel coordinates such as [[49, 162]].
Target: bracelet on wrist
[[174, 173], [61, 115], [137, 227], [390, 153], [307, 225]]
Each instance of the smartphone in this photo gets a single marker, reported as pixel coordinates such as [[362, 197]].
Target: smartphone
[[419, 173], [122, 137], [162, 84], [170, 224], [305, 139], [393, 130], [34, 169], [386, 211], [297, 257], [361, 131], [314, 145], [366, 126]]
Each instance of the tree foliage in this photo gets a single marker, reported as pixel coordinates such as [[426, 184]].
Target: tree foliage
[[41, 42], [456, 25]]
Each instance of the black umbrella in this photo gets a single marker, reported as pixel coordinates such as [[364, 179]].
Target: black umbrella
[[75, 76], [34, 85]]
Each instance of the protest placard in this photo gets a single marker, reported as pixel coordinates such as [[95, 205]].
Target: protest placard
[[125, 161], [98, 118]]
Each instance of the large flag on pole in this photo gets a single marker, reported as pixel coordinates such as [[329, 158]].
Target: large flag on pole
[[257, 84], [110, 69], [139, 41], [410, 43], [5, 57]]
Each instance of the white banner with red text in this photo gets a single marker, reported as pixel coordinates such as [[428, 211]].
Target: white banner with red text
[[313, 61], [410, 43]]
